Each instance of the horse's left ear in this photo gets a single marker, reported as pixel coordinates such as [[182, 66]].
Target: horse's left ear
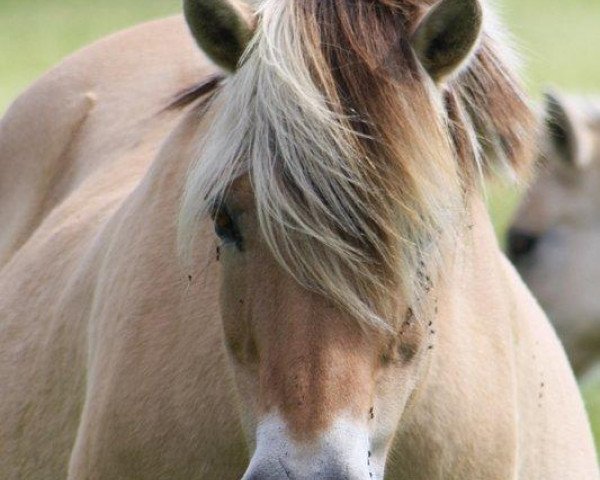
[[222, 28], [446, 37]]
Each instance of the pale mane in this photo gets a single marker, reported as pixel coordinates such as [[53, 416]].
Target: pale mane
[[359, 163]]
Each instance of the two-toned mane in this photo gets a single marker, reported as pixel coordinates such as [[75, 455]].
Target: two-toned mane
[[359, 162], [270, 258]]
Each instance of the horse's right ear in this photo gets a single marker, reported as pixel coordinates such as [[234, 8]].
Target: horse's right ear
[[566, 131], [222, 28]]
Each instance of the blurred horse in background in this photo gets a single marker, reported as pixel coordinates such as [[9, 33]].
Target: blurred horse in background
[[555, 237], [352, 318]]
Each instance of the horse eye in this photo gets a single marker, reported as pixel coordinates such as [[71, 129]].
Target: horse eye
[[226, 228]]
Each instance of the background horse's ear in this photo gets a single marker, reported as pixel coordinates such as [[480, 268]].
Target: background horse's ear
[[566, 131], [447, 36], [222, 28]]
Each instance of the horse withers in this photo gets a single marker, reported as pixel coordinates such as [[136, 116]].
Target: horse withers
[[556, 231], [280, 267]]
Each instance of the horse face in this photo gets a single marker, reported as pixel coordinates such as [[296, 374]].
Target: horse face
[[555, 237], [321, 388], [321, 395]]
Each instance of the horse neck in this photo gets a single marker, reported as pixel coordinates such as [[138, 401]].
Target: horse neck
[[481, 227], [476, 266]]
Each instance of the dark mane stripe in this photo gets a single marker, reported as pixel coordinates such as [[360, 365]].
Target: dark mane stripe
[[188, 96]]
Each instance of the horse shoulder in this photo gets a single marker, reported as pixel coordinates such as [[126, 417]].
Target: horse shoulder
[[34, 135], [96, 107], [74, 149]]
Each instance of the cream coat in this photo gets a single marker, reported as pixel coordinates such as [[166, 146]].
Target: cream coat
[[112, 359]]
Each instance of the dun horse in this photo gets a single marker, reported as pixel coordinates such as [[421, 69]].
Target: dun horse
[[353, 317], [555, 237]]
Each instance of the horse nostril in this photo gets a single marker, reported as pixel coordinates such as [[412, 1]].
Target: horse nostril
[[520, 243]]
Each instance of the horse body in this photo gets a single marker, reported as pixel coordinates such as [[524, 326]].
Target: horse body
[[117, 359], [51, 349]]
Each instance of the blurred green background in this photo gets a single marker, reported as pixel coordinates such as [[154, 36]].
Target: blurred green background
[[559, 41]]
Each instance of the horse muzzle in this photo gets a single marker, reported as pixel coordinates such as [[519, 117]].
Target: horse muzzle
[[340, 453]]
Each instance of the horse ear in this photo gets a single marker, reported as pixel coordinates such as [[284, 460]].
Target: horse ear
[[222, 28], [447, 35], [566, 131]]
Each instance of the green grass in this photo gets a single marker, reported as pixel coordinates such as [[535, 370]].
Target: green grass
[[558, 38], [591, 396]]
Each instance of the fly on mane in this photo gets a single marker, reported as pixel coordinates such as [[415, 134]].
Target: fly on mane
[[360, 163]]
